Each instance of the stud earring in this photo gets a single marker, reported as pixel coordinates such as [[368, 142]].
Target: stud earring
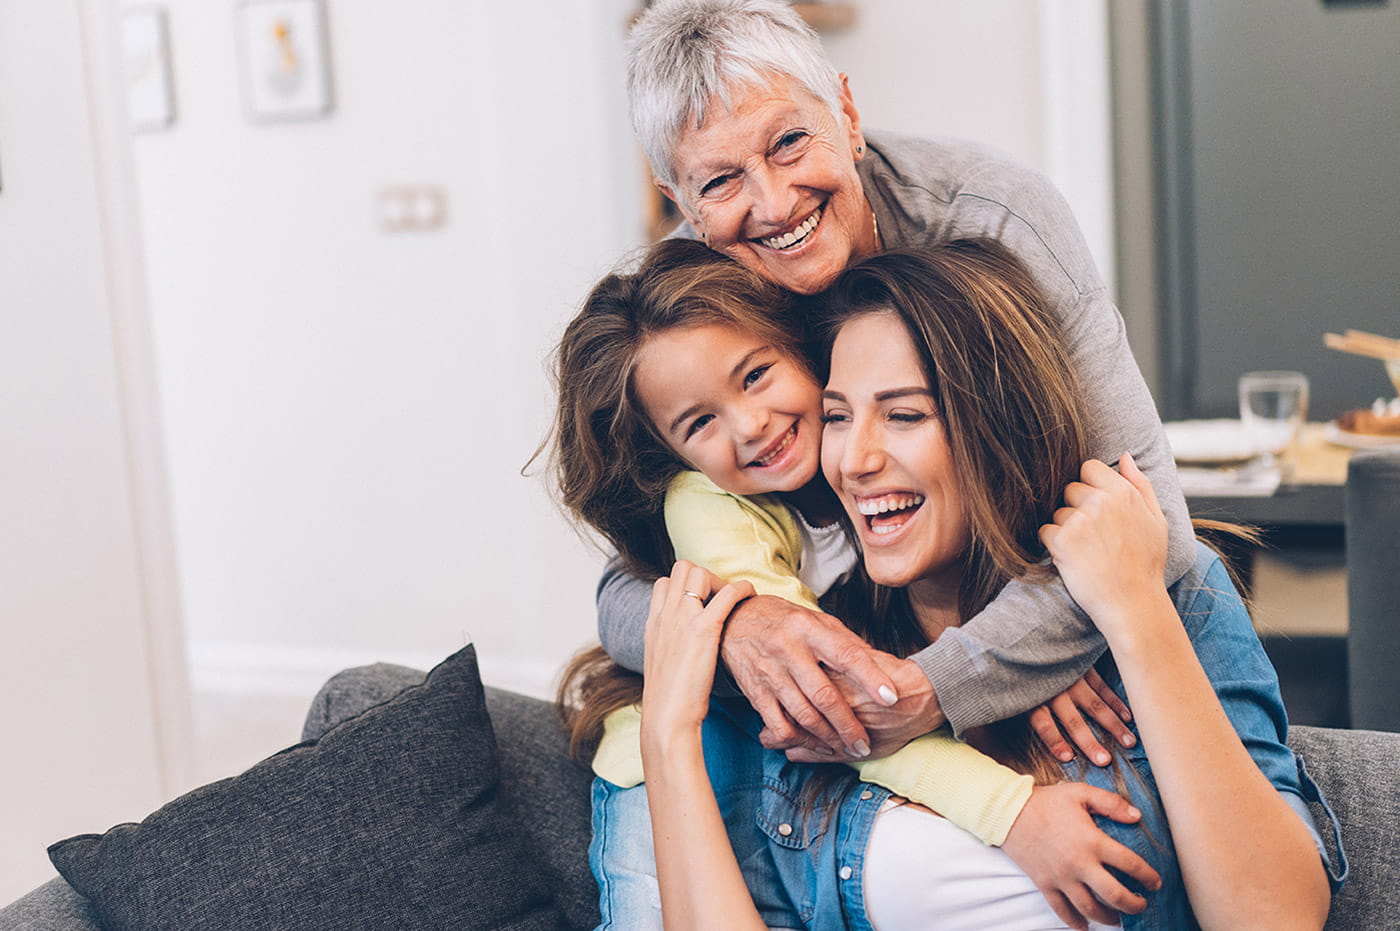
[[702, 235], [860, 150]]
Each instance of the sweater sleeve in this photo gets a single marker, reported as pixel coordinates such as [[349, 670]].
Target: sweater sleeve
[[737, 538], [623, 601], [967, 787], [1032, 641]]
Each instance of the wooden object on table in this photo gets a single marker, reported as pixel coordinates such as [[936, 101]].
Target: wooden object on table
[[1360, 343], [827, 17]]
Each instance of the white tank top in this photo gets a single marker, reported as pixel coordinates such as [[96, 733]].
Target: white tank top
[[921, 871], [827, 555]]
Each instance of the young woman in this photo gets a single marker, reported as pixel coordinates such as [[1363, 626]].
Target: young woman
[[684, 381], [951, 431]]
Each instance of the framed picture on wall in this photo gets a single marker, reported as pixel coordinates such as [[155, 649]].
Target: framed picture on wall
[[284, 58], [146, 47]]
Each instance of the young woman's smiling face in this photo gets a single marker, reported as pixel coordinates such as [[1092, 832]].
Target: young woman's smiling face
[[885, 452], [771, 182], [733, 407]]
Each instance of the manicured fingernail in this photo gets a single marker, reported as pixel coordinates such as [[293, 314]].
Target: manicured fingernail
[[1066, 756], [1127, 740], [888, 695], [1133, 812], [1101, 759], [861, 748]]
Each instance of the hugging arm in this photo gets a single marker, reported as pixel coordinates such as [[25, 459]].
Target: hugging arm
[[622, 600], [1206, 703], [1032, 641], [785, 656]]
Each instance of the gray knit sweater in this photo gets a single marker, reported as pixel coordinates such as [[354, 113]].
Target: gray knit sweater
[[1032, 641]]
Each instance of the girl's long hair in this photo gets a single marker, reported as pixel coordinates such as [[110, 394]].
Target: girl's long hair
[[608, 463]]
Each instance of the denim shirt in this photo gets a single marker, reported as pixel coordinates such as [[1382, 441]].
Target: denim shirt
[[821, 860], [800, 832]]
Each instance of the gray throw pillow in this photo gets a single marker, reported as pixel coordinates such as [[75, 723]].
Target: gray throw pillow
[[388, 821]]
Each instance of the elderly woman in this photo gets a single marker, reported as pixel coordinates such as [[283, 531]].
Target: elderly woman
[[757, 139]]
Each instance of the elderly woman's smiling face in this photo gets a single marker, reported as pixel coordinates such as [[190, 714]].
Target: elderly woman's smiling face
[[771, 182]]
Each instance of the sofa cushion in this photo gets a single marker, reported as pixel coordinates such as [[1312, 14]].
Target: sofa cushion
[[388, 821], [544, 793], [1357, 773]]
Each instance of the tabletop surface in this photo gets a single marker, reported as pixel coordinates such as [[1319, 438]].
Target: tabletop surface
[[1313, 494]]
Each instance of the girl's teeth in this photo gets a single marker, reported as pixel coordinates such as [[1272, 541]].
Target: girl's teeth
[[788, 239], [787, 441]]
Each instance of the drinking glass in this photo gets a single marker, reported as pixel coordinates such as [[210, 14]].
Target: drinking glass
[[1273, 406]]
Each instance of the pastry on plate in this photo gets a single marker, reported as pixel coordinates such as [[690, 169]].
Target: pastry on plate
[[1380, 419]]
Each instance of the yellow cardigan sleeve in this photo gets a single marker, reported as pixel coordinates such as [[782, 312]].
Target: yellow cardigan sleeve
[[618, 758], [753, 538], [965, 786], [961, 783], [757, 539]]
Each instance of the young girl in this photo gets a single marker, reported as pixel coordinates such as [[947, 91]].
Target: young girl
[[684, 383]]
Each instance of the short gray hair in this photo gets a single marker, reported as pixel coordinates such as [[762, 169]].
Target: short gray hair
[[681, 53]]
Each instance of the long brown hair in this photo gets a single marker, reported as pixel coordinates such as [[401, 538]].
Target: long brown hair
[[1003, 383], [608, 462]]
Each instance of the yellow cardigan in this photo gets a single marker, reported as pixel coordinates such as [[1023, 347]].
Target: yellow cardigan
[[757, 539]]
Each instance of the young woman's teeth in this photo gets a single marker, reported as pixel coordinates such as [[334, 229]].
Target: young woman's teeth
[[793, 238], [885, 513], [781, 448]]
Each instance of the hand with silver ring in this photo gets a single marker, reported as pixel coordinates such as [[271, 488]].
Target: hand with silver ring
[[682, 646]]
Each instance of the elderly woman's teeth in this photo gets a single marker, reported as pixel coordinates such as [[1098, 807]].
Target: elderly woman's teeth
[[790, 239]]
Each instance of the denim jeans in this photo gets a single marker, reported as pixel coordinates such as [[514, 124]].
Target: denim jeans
[[621, 853]]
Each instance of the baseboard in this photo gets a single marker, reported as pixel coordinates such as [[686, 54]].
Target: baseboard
[[268, 670]]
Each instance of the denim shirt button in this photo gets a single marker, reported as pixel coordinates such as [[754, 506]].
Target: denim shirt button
[[846, 872], [785, 829], [867, 795]]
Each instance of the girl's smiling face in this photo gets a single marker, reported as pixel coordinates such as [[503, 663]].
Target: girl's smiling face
[[886, 454], [732, 406]]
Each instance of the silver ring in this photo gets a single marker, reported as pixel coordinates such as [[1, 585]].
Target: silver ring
[[693, 595]]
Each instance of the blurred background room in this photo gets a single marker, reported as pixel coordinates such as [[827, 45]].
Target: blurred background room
[[274, 357]]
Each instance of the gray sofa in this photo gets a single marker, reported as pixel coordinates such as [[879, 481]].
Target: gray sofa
[[1358, 771], [545, 796]]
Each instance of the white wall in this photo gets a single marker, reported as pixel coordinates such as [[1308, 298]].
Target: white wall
[[95, 715], [348, 409], [1029, 77]]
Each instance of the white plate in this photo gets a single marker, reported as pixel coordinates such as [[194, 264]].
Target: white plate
[[1335, 434], [1208, 441]]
